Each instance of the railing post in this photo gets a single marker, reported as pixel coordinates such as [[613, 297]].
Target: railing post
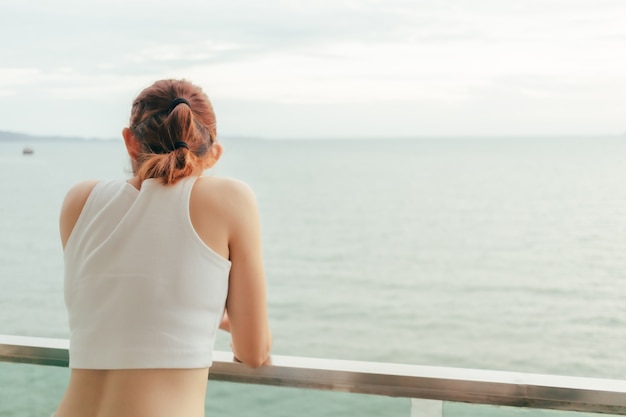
[[426, 408]]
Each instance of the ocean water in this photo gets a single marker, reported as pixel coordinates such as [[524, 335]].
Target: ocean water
[[490, 253]]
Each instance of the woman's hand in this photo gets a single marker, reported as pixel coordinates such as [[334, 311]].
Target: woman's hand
[[225, 324]]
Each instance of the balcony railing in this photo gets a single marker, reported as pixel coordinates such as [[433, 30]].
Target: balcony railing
[[388, 379]]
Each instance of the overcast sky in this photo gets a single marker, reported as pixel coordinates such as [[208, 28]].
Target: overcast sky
[[293, 69]]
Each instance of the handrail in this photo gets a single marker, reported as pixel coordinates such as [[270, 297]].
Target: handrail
[[389, 379]]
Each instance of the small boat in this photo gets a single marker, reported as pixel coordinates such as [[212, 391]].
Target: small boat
[[28, 150]]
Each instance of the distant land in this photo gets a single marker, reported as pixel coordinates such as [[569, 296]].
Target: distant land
[[6, 136]]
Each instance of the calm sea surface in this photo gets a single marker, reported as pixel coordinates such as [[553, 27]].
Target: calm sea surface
[[504, 254]]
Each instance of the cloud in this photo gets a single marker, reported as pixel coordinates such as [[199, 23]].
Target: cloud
[[345, 54]]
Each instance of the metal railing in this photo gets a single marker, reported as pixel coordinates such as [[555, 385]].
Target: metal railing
[[388, 379]]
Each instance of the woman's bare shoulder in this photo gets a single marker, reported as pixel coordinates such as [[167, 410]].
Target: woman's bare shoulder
[[82, 188], [226, 183], [78, 194], [227, 190], [73, 204]]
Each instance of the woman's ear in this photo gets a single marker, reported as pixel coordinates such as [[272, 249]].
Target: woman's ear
[[132, 144], [215, 152]]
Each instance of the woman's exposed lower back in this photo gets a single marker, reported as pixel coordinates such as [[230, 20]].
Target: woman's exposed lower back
[[135, 392]]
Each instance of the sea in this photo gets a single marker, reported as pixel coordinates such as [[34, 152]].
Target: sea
[[498, 253]]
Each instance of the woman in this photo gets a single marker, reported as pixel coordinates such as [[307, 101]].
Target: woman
[[153, 263]]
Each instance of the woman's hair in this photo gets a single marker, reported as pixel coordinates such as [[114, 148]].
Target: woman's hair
[[174, 122]]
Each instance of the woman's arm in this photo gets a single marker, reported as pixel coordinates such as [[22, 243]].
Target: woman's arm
[[247, 303]]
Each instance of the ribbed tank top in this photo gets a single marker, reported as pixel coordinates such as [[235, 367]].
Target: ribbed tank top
[[142, 289]]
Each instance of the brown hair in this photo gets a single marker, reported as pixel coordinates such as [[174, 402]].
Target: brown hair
[[160, 123]]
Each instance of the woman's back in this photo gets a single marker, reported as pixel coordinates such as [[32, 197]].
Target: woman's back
[[135, 393], [165, 289]]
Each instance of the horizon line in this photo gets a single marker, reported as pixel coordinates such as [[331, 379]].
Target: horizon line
[[12, 136]]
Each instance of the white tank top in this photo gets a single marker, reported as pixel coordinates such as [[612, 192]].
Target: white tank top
[[142, 289]]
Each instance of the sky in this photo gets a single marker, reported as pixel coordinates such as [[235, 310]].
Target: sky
[[322, 68]]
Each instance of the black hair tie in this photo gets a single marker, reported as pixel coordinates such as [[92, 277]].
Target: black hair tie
[[180, 145], [176, 102]]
